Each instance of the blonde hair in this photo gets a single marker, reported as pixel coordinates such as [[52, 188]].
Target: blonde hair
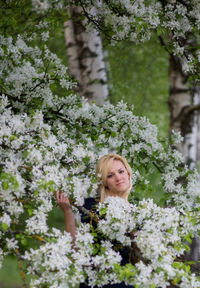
[[102, 168]]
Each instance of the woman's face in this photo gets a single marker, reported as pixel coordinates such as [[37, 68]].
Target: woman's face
[[118, 179]]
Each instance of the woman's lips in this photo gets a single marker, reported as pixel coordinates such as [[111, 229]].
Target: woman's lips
[[120, 183]]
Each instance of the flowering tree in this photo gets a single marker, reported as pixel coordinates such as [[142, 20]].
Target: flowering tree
[[50, 142]]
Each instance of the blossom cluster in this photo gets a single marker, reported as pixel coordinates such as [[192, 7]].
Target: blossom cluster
[[50, 142], [137, 20], [118, 221], [158, 234]]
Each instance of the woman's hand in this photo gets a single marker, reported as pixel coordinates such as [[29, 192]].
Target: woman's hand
[[63, 202], [65, 205]]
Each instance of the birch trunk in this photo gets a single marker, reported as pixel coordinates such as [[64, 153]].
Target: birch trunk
[[85, 56], [183, 117], [192, 136], [198, 139]]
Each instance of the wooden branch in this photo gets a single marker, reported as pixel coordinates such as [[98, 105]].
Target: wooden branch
[[21, 258], [90, 19], [163, 43], [39, 238], [136, 255], [80, 208], [97, 24], [85, 211], [159, 169], [22, 274], [116, 10]]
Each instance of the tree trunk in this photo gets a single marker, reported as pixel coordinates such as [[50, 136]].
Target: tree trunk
[[191, 138], [85, 56], [183, 105], [184, 117], [198, 140]]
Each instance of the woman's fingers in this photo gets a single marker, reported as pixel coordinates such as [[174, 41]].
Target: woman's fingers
[[57, 196], [61, 196], [63, 200]]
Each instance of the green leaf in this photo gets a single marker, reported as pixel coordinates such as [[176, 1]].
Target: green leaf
[[188, 238], [5, 226], [103, 211], [5, 185], [25, 154], [23, 241], [13, 137], [176, 280], [30, 211]]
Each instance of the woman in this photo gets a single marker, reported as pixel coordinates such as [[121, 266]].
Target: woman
[[115, 176], [115, 180]]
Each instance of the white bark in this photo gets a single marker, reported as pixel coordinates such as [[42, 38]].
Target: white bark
[[72, 50], [181, 97], [198, 132], [190, 146], [86, 60], [189, 125]]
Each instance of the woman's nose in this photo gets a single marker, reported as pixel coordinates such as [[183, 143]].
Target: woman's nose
[[117, 176]]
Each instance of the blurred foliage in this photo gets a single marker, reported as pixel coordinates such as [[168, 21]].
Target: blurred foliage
[[10, 274], [138, 74], [26, 20]]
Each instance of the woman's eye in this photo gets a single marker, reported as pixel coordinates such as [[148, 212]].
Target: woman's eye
[[109, 176], [121, 171]]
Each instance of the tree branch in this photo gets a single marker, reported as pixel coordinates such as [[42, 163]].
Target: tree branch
[[22, 274], [97, 24]]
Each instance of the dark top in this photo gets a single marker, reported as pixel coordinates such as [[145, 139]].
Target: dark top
[[90, 204]]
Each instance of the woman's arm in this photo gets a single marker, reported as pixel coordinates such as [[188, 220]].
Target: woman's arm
[[65, 205]]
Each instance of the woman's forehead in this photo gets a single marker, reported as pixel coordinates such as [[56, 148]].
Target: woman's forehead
[[115, 165]]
